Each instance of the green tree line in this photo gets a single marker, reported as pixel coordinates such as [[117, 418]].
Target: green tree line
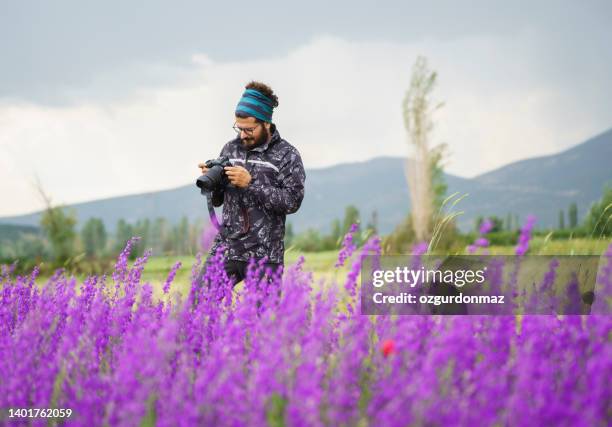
[[313, 240], [60, 244]]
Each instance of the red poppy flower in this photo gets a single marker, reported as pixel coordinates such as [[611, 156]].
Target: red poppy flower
[[387, 347]]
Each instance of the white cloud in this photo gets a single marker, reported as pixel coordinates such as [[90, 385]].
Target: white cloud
[[339, 101]]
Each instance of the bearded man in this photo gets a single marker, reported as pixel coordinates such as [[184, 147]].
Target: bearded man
[[265, 183]]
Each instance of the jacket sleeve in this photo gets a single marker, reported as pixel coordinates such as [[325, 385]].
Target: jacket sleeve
[[287, 196]]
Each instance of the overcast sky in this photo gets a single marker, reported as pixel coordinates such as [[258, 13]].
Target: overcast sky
[[126, 97]]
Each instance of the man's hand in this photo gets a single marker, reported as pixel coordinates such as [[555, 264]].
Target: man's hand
[[238, 176], [203, 167]]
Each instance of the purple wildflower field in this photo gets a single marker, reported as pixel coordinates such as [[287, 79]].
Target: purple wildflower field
[[304, 356]]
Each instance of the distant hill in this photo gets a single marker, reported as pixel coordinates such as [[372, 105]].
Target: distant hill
[[541, 186]]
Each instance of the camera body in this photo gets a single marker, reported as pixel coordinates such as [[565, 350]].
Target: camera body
[[215, 178]]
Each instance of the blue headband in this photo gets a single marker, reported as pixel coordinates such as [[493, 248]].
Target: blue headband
[[255, 104]]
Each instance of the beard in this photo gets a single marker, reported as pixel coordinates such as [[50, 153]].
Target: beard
[[254, 142]]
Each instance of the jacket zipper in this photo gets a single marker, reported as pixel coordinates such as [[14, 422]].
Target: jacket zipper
[[245, 212]]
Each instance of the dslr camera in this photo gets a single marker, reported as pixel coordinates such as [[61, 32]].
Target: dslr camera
[[215, 178]]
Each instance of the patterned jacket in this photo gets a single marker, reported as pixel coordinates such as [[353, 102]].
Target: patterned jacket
[[254, 217]]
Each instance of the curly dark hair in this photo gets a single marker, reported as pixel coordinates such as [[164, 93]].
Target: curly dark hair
[[266, 90]]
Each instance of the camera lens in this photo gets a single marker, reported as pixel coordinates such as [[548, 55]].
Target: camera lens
[[212, 179]]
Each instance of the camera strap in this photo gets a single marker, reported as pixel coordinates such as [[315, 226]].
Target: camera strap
[[213, 216], [220, 227]]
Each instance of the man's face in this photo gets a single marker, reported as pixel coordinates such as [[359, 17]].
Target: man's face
[[252, 132]]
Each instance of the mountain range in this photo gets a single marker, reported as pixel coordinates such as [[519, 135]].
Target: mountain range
[[541, 186]]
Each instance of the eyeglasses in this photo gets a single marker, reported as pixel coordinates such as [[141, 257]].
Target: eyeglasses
[[248, 131]]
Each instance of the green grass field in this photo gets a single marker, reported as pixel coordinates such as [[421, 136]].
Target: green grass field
[[321, 264]]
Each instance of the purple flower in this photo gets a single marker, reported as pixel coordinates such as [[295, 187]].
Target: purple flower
[[420, 248], [525, 236], [171, 276], [207, 238], [481, 241], [284, 349], [486, 226], [348, 247]]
